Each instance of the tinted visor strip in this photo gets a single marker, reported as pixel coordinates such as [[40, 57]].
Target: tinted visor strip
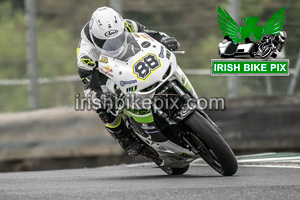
[[98, 41]]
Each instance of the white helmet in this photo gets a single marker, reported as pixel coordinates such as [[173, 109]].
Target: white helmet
[[282, 36], [105, 24]]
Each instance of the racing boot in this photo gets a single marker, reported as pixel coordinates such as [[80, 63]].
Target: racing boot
[[120, 132]]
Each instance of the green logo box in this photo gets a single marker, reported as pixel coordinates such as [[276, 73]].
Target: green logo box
[[249, 67]]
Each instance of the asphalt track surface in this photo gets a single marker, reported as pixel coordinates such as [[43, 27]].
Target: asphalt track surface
[[144, 181]]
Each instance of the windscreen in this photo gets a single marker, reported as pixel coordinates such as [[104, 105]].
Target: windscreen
[[122, 47]]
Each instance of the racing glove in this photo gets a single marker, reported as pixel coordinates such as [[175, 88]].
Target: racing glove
[[170, 43], [107, 103]]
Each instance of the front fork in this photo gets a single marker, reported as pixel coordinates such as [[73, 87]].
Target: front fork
[[192, 104], [187, 85], [187, 106]]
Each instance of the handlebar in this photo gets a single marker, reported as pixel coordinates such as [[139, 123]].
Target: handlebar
[[178, 52]]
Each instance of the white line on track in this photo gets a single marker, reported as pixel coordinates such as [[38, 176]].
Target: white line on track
[[272, 166], [259, 154], [270, 159]]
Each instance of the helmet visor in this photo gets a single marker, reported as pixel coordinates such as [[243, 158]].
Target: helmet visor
[[122, 47], [98, 42], [113, 47]]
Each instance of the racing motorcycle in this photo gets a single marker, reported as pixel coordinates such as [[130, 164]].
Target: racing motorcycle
[[173, 130]]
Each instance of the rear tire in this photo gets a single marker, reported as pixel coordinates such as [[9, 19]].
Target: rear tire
[[175, 171], [211, 145]]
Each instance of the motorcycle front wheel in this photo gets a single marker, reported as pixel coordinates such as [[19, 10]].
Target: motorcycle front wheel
[[210, 145]]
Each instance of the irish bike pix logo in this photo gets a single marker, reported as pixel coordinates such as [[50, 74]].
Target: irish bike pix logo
[[251, 50]]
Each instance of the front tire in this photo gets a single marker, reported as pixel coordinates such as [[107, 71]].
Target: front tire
[[210, 144], [266, 52]]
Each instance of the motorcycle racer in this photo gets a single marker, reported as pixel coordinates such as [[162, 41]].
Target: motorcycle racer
[[107, 24], [276, 40]]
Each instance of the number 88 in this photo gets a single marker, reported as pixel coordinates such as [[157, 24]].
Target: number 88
[[144, 67]]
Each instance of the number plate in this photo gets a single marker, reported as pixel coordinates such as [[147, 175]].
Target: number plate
[[145, 66]]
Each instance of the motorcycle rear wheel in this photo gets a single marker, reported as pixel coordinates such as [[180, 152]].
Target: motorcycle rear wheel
[[175, 171], [210, 145]]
